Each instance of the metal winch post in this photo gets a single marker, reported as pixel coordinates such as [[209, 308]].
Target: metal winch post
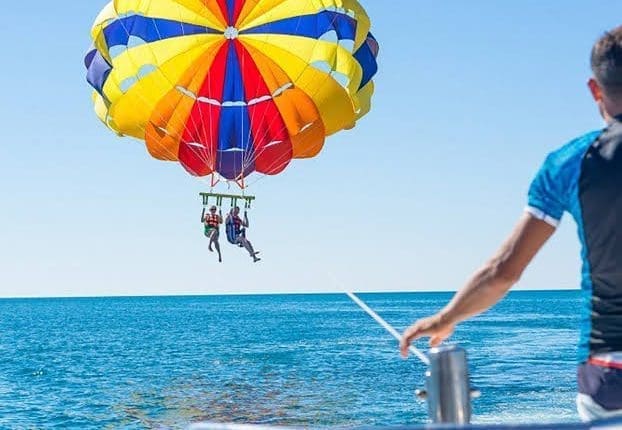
[[448, 390]]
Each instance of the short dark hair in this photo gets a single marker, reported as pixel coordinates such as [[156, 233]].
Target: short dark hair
[[607, 61]]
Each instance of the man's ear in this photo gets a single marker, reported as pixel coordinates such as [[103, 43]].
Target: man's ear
[[597, 92]]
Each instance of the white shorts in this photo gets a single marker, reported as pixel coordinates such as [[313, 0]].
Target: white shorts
[[589, 410]]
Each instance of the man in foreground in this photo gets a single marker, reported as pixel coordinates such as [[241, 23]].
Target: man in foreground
[[583, 178]]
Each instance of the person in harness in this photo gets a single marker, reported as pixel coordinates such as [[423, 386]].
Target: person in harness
[[236, 232], [212, 223]]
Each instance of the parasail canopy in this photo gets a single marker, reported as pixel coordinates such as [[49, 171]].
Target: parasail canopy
[[231, 87]]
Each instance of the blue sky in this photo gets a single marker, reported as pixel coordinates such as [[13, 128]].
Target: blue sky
[[470, 97]]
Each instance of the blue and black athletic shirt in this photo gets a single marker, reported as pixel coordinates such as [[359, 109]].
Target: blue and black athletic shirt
[[584, 178]]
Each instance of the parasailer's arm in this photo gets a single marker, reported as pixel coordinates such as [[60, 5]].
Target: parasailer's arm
[[245, 221], [488, 285]]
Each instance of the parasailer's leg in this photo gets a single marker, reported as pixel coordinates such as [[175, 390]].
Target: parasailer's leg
[[210, 235], [249, 247], [213, 240], [217, 245]]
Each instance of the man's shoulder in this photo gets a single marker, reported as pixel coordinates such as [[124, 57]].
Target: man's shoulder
[[550, 189], [573, 151]]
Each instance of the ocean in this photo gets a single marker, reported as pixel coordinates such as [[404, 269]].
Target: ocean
[[312, 360]]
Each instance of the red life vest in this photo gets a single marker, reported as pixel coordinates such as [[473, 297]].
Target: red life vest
[[212, 220]]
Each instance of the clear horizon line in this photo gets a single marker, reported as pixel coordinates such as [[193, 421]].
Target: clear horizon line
[[260, 293]]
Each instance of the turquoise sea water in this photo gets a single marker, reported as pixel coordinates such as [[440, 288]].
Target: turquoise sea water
[[296, 359]]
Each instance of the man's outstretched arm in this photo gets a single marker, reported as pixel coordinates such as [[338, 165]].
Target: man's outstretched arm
[[488, 285]]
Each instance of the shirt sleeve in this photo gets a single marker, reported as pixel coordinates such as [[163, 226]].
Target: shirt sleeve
[[547, 193]]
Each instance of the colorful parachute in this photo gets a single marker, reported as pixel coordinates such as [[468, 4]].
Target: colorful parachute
[[232, 87]]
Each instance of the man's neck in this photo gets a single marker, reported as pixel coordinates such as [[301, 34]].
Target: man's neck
[[613, 112]]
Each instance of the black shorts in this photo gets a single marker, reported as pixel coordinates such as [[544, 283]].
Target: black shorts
[[602, 384]]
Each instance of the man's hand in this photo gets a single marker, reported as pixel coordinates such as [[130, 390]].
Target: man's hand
[[434, 327]]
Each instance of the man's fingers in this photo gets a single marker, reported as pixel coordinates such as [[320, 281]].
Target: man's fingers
[[412, 333], [404, 349], [431, 326], [407, 337]]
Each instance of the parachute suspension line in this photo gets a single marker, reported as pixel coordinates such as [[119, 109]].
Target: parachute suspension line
[[210, 158], [138, 82], [173, 85], [240, 181], [168, 151], [213, 181], [199, 155], [209, 148], [251, 155], [282, 158]]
